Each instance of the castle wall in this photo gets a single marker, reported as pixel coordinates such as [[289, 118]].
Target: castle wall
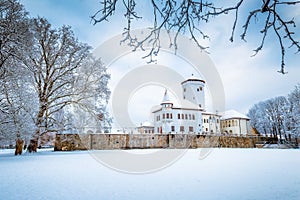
[[69, 142]]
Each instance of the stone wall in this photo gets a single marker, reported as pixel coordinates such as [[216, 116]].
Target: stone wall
[[68, 142]]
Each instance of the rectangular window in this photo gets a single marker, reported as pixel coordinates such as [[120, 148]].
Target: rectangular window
[[167, 115], [200, 88], [182, 116], [191, 129], [172, 128], [186, 116], [193, 117], [163, 115], [171, 116], [178, 116], [181, 128], [190, 117]]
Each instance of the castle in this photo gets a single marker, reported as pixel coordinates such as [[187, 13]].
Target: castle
[[191, 117]]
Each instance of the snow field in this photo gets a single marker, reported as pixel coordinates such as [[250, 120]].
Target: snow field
[[224, 174]]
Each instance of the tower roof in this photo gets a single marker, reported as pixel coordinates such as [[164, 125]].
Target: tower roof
[[166, 98], [193, 78]]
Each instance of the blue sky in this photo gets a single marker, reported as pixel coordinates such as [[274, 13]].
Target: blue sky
[[246, 80]]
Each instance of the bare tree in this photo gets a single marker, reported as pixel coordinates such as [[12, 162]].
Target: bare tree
[[187, 16], [17, 105], [293, 117], [15, 37], [14, 33], [278, 116], [56, 62]]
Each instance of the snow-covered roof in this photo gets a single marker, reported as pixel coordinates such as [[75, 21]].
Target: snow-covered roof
[[233, 114], [193, 78], [146, 124]]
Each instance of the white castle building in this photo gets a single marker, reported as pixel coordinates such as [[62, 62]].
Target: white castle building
[[191, 117]]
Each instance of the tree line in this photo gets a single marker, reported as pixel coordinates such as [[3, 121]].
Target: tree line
[[50, 82], [279, 116]]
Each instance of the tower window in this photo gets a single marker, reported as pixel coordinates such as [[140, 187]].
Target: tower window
[[184, 89], [172, 128], [181, 128], [183, 97], [200, 105], [191, 129], [198, 89], [178, 116]]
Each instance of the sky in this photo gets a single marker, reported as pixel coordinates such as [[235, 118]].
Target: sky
[[246, 79]]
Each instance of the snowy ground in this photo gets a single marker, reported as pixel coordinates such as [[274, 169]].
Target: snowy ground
[[224, 174]]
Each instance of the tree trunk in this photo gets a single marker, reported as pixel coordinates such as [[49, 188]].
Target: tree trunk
[[33, 144], [19, 146]]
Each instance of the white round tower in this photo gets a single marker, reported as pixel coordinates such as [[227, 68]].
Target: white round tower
[[193, 91]]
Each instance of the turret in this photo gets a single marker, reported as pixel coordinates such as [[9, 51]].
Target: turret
[[166, 102]]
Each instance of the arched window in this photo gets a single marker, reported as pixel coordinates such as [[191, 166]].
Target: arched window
[[178, 116]]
